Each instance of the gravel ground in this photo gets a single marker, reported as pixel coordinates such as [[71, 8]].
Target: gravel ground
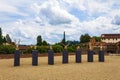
[[108, 70]]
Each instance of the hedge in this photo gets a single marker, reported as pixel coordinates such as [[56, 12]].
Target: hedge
[[7, 49], [57, 48], [71, 49], [42, 49]]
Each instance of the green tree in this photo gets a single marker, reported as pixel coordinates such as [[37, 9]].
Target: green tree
[[64, 40], [42, 49], [1, 39], [72, 42], [57, 48], [39, 40], [71, 48], [84, 38], [4, 40], [44, 43], [8, 39], [7, 49], [98, 39]]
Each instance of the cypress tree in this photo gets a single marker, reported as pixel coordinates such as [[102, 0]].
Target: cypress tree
[[1, 39], [64, 40], [39, 40]]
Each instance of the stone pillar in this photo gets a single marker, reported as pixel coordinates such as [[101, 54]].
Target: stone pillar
[[101, 56], [90, 56], [65, 57], [78, 56], [50, 57], [35, 57], [17, 58]]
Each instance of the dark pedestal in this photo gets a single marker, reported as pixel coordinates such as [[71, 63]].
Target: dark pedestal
[[101, 56], [90, 56], [35, 57], [50, 57], [78, 56], [17, 58], [65, 57]]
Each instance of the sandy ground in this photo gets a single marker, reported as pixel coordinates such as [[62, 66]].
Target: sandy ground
[[108, 70]]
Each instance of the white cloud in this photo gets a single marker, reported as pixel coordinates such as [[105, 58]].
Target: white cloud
[[53, 13], [7, 8], [116, 20], [51, 18]]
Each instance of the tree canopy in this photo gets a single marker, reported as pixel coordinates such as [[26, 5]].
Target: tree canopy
[[97, 38], [8, 39], [39, 40], [85, 38], [44, 43], [4, 40], [64, 40]]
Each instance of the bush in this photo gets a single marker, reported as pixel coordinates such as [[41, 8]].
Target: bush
[[7, 49], [71, 49], [42, 49], [57, 48], [29, 50]]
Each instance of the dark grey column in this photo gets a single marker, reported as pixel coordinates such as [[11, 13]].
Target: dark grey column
[[17, 58], [65, 57], [50, 57], [90, 56], [35, 57], [101, 56], [78, 56]]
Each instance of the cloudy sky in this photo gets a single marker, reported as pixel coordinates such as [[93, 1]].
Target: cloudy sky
[[26, 19]]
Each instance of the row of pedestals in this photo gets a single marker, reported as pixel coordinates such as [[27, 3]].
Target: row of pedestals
[[64, 57]]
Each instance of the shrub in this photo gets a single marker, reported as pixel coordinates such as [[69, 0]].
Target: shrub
[[71, 49], [42, 49], [29, 50], [7, 49], [57, 48]]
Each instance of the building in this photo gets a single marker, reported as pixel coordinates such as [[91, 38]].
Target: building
[[111, 41], [110, 38], [96, 46]]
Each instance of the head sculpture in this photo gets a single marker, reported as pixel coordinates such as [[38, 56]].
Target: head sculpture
[[78, 47], [35, 47], [51, 47], [101, 47], [90, 46], [17, 44]]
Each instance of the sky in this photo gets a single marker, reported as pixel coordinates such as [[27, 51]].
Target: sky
[[26, 19]]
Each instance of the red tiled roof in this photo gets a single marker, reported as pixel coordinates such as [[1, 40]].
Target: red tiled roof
[[110, 36]]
